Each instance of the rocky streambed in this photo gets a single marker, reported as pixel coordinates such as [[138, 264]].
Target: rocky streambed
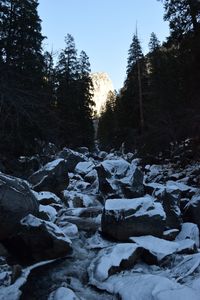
[[100, 226]]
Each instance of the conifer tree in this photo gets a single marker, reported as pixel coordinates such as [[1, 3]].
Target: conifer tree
[[21, 77]]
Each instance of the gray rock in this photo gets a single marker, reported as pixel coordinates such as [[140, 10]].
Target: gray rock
[[16, 201], [132, 185], [123, 218], [113, 259], [72, 158], [192, 210], [53, 177], [43, 240]]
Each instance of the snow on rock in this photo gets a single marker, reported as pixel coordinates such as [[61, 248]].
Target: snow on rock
[[147, 287], [187, 246], [48, 211], [189, 231], [159, 248], [77, 199], [183, 188], [196, 285], [97, 242], [63, 293], [142, 206], [13, 291], [192, 210], [123, 218], [52, 177], [46, 198], [170, 234], [111, 260], [52, 165], [132, 184], [117, 168], [84, 168], [43, 239]]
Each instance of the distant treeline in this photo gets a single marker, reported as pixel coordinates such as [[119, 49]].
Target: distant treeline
[[159, 103], [40, 100]]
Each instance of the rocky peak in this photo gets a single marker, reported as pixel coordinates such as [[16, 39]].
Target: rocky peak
[[102, 86]]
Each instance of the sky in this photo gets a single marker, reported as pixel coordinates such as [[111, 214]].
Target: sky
[[103, 29]]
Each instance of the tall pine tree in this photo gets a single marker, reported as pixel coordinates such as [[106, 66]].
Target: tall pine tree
[[21, 77]]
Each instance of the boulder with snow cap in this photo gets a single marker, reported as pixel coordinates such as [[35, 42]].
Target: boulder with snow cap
[[52, 177], [113, 259], [43, 240], [123, 218], [132, 184]]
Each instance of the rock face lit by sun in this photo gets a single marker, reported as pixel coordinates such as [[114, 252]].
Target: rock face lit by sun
[[102, 86]]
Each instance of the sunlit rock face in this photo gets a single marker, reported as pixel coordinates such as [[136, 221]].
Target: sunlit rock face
[[102, 86]]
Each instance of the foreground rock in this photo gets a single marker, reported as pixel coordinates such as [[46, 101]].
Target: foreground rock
[[53, 177], [39, 240], [124, 218], [16, 201]]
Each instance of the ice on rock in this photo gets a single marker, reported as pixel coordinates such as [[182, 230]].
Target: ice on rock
[[187, 266]]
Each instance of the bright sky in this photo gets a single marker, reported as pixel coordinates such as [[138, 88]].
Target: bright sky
[[103, 29]]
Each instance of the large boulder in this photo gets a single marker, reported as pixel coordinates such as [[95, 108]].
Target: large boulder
[[132, 184], [52, 177], [123, 218], [16, 201], [171, 204], [38, 240], [118, 178]]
